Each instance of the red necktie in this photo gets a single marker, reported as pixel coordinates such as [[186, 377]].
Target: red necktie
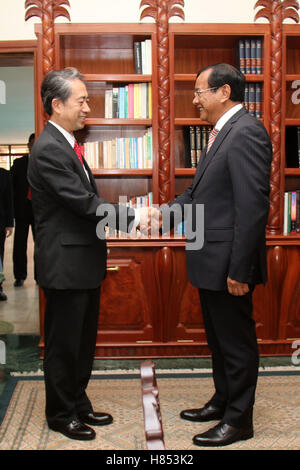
[[212, 136], [29, 193], [78, 152]]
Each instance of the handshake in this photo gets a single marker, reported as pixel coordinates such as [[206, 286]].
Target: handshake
[[149, 221]]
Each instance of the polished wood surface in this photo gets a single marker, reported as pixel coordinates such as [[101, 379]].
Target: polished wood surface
[[151, 407]]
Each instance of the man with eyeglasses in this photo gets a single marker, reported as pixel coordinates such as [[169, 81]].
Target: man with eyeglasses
[[232, 182]]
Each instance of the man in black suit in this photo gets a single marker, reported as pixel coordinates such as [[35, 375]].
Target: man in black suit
[[6, 216], [23, 214], [232, 183], [70, 258]]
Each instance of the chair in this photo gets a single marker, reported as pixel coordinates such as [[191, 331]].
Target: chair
[[151, 407]]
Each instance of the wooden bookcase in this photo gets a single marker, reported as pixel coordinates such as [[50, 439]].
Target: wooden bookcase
[[148, 307]]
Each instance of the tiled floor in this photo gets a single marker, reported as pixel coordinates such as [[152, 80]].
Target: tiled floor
[[21, 310]]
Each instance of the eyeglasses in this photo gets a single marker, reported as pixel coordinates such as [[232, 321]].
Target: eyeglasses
[[197, 93]]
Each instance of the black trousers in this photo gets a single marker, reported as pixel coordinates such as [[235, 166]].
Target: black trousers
[[70, 330], [231, 336], [20, 245], [2, 243]]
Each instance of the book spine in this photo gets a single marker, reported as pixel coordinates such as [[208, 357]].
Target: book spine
[[298, 211], [130, 101], [289, 211], [137, 57], [198, 143], [115, 104], [285, 213], [242, 58], [246, 100], [248, 56], [258, 56], [193, 146], [252, 99], [253, 56], [293, 211], [258, 103]]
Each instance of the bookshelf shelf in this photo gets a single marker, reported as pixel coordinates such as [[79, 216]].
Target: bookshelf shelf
[[292, 171], [97, 172], [191, 77], [130, 77], [292, 121], [118, 122], [185, 171]]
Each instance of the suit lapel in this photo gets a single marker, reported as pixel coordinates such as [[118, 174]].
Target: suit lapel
[[206, 158], [67, 147]]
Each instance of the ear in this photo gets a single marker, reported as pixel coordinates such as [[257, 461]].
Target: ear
[[56, 105], [226, 92]]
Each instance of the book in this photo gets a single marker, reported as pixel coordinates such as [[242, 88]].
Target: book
[[121, 152], [142, 51], [137, 57], [241, 56], [291, 212], [253, 56], [259, 56], [248, 55], [193, 147]]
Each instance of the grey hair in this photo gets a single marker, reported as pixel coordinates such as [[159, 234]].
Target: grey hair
[[57, 85]]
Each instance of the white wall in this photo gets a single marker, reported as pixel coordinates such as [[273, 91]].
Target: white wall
[[13, 26]]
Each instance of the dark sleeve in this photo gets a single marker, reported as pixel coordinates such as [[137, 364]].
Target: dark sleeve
[[65, 186], [8, 201], [249, 164]]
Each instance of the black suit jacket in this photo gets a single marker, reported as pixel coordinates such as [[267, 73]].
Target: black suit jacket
[[6, 200], [22, 205], [68, 253], [232, 181]]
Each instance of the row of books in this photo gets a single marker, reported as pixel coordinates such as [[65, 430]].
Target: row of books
[[253, 99], [143, 57], [195, 138], [250, 55], [120, 152], [133, 101], [292, 146], [291, 215]]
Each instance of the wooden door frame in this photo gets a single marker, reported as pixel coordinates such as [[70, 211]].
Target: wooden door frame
[[30, 46]]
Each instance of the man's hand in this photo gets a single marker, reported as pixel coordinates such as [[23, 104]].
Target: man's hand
[[150, 221], [236, 287]]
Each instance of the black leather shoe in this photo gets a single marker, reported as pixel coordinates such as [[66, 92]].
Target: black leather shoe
[[222, 435], [19, 283], [75, 430], [207, 413], [96, 419], [3, 296]]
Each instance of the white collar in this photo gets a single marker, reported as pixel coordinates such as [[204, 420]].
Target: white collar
[[70, 138], [226, 116]]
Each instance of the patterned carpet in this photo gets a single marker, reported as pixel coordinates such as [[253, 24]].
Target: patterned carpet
[[276, 419]]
